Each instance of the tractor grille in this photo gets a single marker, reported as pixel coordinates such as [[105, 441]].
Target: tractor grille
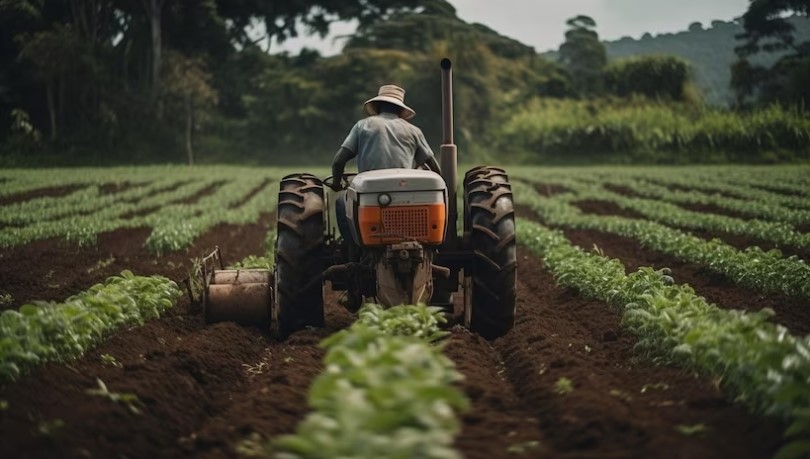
[[409, 222]]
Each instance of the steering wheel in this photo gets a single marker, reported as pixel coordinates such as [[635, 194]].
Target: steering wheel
[[345, 180]]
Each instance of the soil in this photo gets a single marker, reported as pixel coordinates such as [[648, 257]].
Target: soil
[[201, 389], [52, 270], [734, 240], [793, 313], [49, 192], [548, 189]]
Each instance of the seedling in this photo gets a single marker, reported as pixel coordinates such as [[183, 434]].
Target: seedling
[[128, 399], [563, 386], [6, 299], [110, 360], [691, 430], [48, 428]]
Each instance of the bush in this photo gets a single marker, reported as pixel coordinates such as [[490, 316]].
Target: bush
[[638, 130], [656, 77]]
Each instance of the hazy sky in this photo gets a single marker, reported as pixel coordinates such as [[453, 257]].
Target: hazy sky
[[541, 23]]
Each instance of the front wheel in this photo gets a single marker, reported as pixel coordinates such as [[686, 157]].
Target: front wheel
[[299, 243], [489, 228]]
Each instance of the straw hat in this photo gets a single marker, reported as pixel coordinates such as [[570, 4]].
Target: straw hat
[[393, 94]]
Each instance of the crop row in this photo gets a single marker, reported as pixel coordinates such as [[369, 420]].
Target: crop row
[[753, 208], [83, 228], [386, 391], [175, 224], [85, 201], [56, 332], [764, 271], [175, 227], [673, 215], [760, 364], [792, 210]]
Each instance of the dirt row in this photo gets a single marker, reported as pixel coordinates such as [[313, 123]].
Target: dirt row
[[203, 389], [793, 313], [704, 208]]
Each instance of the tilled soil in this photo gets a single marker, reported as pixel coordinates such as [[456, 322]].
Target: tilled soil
[[203, 389], [793, 313], [591, 206], [52, 269]]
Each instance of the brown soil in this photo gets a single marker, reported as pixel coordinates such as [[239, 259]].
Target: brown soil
[[202, 389], [207, 191], [49, 192], [52, 269], [265, 183], [606, 208], [547, 189], [735, 240], [113, 188], [713, 209]]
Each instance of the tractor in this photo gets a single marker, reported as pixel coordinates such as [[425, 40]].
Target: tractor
[[404, 246]]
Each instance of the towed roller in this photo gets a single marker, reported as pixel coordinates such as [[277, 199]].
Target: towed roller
[[244, 296]]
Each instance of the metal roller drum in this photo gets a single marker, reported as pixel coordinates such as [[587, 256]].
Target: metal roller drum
[[243, 303], [241, 276]]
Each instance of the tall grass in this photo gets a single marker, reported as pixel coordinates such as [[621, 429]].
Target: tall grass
[[641, 130]]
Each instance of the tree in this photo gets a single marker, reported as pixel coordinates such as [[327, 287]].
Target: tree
[[656, 77], [769, 28], [188, 87], [53, 54], [583, 55]]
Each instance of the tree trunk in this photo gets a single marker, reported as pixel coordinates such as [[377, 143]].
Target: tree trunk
[[154, 12], [51, 109], [189, 129]]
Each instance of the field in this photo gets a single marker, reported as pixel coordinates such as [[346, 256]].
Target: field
[[662, 312]]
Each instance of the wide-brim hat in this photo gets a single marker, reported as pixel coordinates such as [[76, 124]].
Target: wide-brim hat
[[393, 94]]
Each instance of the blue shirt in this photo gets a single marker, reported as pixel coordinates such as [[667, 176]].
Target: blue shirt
[[386, 141]]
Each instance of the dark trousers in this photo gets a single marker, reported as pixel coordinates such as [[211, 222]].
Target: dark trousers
[[342, 219]]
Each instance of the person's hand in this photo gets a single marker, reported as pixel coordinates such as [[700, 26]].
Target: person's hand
[[335, 185]]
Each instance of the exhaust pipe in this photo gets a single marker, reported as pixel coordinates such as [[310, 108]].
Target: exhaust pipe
[[449, 155]]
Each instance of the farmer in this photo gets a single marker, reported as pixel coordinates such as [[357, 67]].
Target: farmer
[[384, 140]]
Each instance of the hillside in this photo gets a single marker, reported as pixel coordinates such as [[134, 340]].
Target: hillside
[[710, 50]]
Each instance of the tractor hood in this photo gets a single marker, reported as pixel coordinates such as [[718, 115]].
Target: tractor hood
[[394, 180]]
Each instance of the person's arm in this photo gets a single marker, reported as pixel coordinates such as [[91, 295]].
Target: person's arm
[[339, 164], [348, 150], [424, 155], [433, 165]]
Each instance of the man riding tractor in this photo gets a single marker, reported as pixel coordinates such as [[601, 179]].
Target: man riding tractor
[[384, 140]]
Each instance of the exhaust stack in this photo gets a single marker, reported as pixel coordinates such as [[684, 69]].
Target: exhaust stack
[[449, 155]]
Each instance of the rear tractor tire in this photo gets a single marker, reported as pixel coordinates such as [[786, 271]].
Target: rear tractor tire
[[489, 230], [299, 244]]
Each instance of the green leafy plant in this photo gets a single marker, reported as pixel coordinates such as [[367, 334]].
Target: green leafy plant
[[385, 392], [563, 386], [56, 332], [130, 400]]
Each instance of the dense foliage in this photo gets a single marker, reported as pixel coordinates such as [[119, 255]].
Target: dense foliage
[[640, 130], [386, 392], [111, 82], [56, 332]]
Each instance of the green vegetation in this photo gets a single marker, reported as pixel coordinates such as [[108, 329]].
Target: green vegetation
[[757, 362], [780, 231], [387, 391], [179, 204], [765, 271], [645, 131], [56, 332], [142, 83], [128, 399]]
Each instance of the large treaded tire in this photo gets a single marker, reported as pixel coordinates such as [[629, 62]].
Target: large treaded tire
[[489, 228], [299, 242]]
